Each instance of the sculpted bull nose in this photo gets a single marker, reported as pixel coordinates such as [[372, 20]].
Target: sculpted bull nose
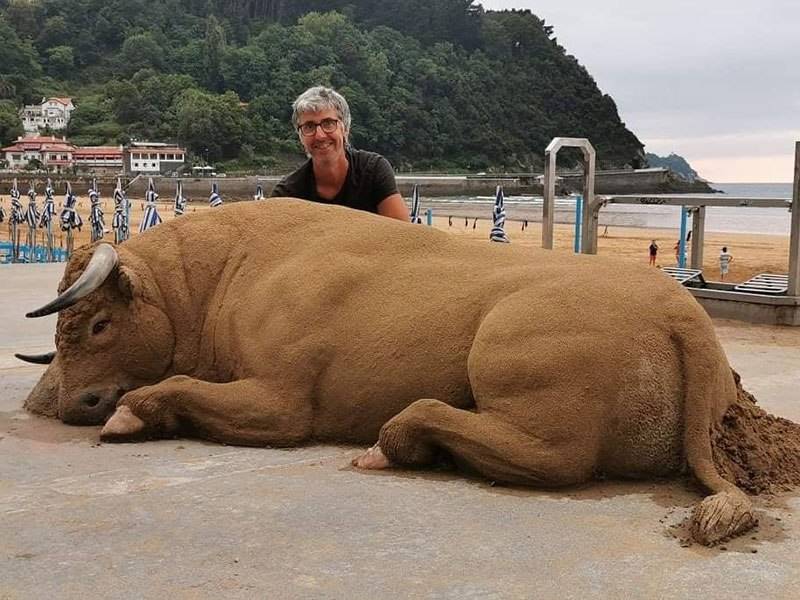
[[90, 400], [91, 408]]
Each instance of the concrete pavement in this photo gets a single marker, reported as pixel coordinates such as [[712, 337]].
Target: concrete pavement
[[187, 519]]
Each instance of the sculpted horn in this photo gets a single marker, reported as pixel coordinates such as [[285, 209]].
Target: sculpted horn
[[37, 359], [103, 261]]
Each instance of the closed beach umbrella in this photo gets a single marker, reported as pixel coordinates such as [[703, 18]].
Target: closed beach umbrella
[[151, 217], [96, 214], [498, 234], [120, 223], [46, 218], [415, 218], [2, 212], [259, 192], [180, 201], [214, 199], [70, 219], [32, 219], [16, 218]]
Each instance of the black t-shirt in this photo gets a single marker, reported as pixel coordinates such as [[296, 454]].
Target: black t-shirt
[[370, 179]]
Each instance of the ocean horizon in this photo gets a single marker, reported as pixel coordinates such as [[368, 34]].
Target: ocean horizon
[[719, 219]]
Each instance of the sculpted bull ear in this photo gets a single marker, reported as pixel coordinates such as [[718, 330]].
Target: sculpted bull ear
[[129, 283]]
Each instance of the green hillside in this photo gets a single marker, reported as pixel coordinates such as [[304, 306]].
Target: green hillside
[[434, 84]]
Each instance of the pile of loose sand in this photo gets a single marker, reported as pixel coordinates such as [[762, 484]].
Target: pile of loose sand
[[757, 451]]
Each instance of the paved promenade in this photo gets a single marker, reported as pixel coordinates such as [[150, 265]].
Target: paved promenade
[[185, 519]]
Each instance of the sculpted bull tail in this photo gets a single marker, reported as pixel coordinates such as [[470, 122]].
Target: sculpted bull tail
[[709, 388]]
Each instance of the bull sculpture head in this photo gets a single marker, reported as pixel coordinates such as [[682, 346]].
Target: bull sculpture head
[[112, 336]]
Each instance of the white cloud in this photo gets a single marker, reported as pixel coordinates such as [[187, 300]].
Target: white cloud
[[714, 80]]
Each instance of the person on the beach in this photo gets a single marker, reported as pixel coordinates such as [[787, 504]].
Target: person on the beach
[[653, 253], [725, 260], [335, 172]]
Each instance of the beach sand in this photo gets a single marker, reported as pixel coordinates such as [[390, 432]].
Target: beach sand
[[753, 253]]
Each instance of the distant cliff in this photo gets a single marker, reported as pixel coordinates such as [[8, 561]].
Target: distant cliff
[[675, 163]]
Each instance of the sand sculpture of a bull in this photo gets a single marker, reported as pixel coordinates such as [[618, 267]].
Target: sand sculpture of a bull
[[281, 322]]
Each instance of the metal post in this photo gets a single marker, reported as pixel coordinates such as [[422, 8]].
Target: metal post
[[682, 240], [794, 237], [578, 222], [590, 220], [429, 216], [548, 204], [698, 235]]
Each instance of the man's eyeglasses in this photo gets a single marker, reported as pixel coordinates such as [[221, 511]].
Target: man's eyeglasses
[[309, 128]]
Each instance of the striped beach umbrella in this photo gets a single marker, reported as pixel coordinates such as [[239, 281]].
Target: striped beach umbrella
[[96, 214], [16, 218], [214, 199], [259, 192], [498, 234], [70, 219], [120, 223], [180, 201], [415, 218], [46, 219], [151, 218], [32, 219]]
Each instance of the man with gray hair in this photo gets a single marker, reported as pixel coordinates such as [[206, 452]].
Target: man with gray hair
[[335, 172]]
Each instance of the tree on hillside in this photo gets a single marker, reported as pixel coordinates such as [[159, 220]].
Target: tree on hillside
[[10, 123], [19, 65], [210, 126], [213, 51]]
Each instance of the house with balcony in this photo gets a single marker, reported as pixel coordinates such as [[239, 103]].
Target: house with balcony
[[54, 154], [50, 112], [98, 159]]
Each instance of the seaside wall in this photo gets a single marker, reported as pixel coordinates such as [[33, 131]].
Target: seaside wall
[[645, 181]]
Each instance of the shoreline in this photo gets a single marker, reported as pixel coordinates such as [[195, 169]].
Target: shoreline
[[753, 252]]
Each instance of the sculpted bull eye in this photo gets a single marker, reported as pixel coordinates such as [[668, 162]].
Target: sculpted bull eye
[[100, 326]]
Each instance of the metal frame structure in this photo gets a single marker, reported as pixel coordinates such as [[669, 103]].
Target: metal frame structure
[[548, 206], [695, 205]]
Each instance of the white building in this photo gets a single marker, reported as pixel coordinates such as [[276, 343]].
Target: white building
[[51, 112], [153, 158]]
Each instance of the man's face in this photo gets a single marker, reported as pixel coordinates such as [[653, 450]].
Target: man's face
[[321, 144]]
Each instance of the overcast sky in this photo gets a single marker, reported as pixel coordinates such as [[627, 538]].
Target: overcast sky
[[716, 81]]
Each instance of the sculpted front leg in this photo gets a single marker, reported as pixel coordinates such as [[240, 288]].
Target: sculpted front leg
[[245, 412]]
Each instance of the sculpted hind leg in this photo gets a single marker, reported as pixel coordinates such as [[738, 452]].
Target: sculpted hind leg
[[532, 424], [245, 412], [484, 443]]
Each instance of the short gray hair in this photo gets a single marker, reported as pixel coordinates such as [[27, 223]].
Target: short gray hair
[[319, 98]]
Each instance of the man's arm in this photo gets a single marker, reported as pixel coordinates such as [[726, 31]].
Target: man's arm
[[395, 207]]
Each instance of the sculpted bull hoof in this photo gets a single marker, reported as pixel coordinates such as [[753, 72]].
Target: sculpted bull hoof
[[374, 458], [123, 426], [722, 516]]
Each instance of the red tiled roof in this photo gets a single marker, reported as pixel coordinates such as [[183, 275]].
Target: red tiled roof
[[63, 100], [39, 144], [87, 151], [57, 148]]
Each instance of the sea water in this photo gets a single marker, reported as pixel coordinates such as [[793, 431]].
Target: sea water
[[734, 219]]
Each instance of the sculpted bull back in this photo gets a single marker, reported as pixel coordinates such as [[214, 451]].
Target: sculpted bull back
[[281, 322]]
